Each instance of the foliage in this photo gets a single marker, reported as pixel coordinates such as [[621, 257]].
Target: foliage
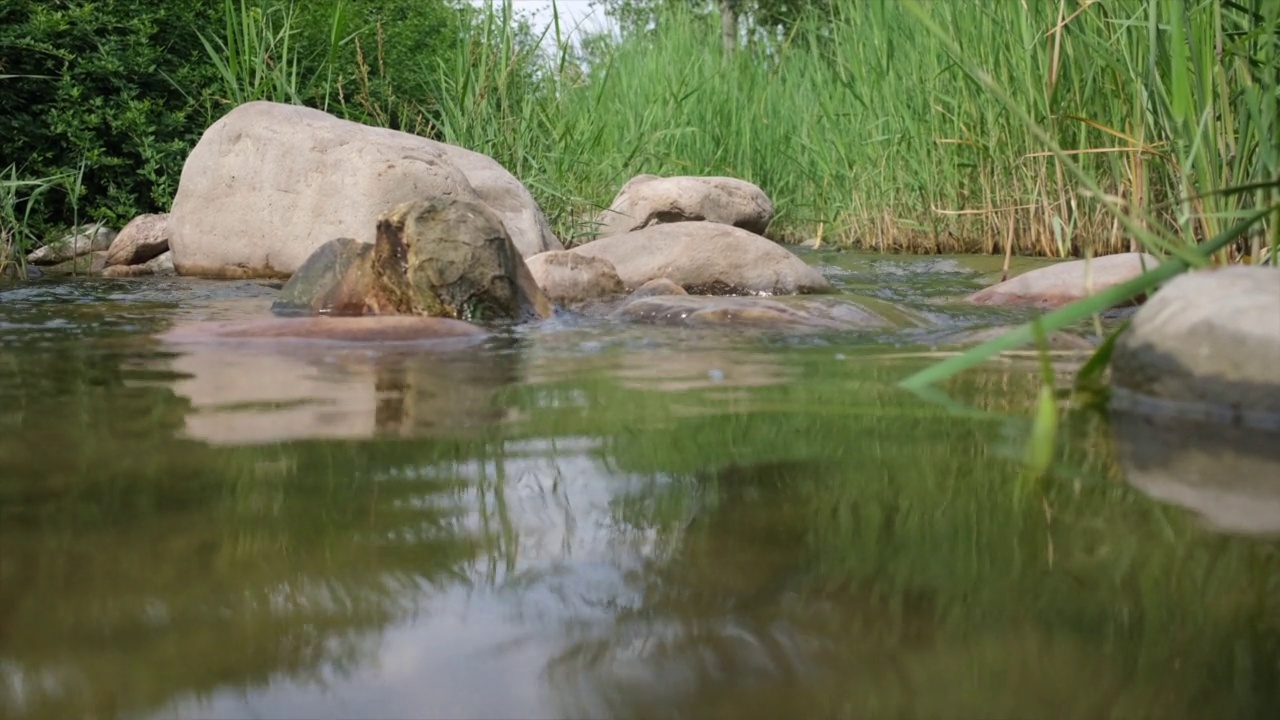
[[118, 85]]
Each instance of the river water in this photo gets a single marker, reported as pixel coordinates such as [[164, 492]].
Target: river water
[[587, 519]]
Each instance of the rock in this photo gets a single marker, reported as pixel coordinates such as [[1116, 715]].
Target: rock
[[269, 183], [706, 258], [571, 279], [1205, 345], [767, 313], [1229, 476], [386, 329], [658, 287], [1056, 341], [158, 266], [1066, 282], [145, 237], [91, 264], [89, 238], [648, 200], [442, 257]]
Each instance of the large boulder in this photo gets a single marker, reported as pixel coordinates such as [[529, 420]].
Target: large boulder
[[269, 183], [571, 279], [648, 200], [1205, 345], [144, 238], [1064, 283], [706, 258], [440, 257]]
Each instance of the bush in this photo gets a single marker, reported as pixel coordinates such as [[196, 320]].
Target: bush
[[118, 85]]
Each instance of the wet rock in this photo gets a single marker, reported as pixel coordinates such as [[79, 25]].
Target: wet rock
[[91, 264], [1057, 341], [571, 279], [707, 258], [442, 257], [89, 238], [648, 200], [658, 286], [269, 183], [1205, 345], [158, 266], [1229, 476], [144, 238], [1066, 282], [384, 329], [758, 312]]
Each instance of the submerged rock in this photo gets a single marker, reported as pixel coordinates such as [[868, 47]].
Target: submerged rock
[[1056, 341], [707, 258], [90, 238], [442, 257], [1066, 282], [269, 183], [144, 238], [571, 279], [648, 200], [757, 312], [1206, 345], [385, 329]]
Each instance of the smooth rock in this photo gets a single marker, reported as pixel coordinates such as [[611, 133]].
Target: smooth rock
[[1056, 341], [1229, 476], [144, 238], [384, 329], [1066, 282], [707, 258], [1206, 345], [441, 257], [658, 287], [95, 237], [158, 266], [757, 312], [91, 264], [571, 279], [269, 183], [648, 200]]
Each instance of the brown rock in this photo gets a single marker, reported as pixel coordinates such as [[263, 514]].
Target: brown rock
[[571, 279], [144, 238], [658, 287], [395, 328], [160, 265], [648, 200], [1066, 282]]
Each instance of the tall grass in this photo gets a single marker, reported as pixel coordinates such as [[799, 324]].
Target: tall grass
[[866, 130]]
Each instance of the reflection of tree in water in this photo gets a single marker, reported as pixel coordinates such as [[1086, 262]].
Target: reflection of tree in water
[[891, 564], [136, 568]]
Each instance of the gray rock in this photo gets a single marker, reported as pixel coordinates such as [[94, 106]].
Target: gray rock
[[158, 266], [1206, 345], [1229, 476], [571, 279], [269, 183], [1056, 341], [648, 200], [1065, 282], [91, 264], [144, 238], [441, 257], [89, 238], [707, 258], [767, 313]]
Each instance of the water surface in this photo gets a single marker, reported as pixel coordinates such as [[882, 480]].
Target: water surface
[[587, 519]]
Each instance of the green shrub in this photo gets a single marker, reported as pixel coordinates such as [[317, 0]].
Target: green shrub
[[119, 85]]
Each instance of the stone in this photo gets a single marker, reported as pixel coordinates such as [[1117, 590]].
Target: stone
[[1205, 345], [571, 279], [89, 238], [707, 258], [158, 266], [380, 330], [1229, 476], [269, 183], [658, 287], [442, 257], [757, 312], [648, 200], [91, 264], [145, 237], [1057, 341], [1064, 283]]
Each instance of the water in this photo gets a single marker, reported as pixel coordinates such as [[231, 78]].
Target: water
[[586, 519]]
